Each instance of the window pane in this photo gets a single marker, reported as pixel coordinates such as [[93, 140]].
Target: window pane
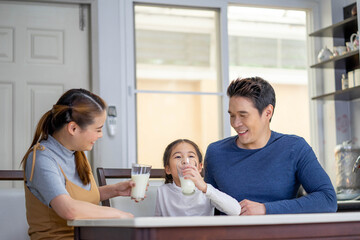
[[271, 43], [177, 50], [176, 45], [163, 118]]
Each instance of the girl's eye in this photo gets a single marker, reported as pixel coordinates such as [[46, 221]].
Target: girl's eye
[[191, 156], [177, 156]]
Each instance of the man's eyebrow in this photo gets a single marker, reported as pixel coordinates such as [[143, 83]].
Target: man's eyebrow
[[239, 112]]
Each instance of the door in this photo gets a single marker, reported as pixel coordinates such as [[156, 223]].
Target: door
[[44, 51]]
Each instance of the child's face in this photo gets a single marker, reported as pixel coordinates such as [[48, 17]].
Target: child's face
[[181, 151]]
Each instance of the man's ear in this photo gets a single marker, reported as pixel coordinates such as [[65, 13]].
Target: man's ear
[[269, 110], [72, 127]]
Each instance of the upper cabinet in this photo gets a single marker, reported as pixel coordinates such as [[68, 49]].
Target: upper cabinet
[[347, 61]]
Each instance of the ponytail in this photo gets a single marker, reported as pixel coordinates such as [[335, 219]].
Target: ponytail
[[41, 133], [82, 167]]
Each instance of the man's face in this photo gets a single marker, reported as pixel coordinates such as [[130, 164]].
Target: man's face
[[252, 128]]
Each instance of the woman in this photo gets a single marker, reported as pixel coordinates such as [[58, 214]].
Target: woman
[[59, 184]]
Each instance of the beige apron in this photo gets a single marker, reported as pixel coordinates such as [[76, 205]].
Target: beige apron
[[43, 221]]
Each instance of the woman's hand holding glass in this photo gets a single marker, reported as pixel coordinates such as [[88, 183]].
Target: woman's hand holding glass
[[124, 188]]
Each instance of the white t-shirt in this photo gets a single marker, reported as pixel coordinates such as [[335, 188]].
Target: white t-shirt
[[172, 202]]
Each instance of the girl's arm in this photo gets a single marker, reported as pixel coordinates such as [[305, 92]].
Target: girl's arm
[[220, 200], [223, 202], [69, 209], [115, 190]]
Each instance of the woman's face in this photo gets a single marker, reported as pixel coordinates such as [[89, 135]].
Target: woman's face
[[181, 151], [86, 138]]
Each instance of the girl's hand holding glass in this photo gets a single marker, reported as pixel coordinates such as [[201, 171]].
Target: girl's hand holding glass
[[192, 173]]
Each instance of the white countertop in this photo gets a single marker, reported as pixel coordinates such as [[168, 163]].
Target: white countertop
[[219, 220]]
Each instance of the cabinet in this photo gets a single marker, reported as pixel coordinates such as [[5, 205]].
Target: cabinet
[[347, 62]]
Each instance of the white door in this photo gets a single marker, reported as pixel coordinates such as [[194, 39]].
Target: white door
[[43, 52]]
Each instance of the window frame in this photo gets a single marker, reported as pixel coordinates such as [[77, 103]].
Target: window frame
[[221, 7], [129, 141]]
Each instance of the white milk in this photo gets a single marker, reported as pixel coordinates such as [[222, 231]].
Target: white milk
[[141, 181], [187, 186]]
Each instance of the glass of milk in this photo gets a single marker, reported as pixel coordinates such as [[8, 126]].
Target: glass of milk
[[187, 186], [140, 175]]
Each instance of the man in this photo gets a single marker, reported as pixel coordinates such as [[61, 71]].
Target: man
[[261, 168]]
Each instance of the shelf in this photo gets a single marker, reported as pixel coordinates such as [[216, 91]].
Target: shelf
[[341, 95], [349, 60], [348, 25]]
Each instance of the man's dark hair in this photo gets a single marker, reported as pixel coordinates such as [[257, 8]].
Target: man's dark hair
[[259, 91]]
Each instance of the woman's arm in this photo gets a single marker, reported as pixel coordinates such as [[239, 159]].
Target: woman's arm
[[115, 190], [68, 208]]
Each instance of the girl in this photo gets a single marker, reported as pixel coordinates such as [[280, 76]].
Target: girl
[[59, 184], [170, 199]]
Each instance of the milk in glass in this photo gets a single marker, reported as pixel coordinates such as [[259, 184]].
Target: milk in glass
[[187, 186], [141, 180]]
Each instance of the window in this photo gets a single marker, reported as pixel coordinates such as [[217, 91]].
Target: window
[[271, 43], [178, 88]]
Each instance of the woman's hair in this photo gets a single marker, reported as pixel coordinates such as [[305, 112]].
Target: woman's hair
[[169, 149], [79, 106], [259, 91]]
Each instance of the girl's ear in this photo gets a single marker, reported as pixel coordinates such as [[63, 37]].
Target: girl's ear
[[200, 166], [167, 170]]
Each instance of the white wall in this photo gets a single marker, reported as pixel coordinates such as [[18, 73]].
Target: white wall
[[112, 80]]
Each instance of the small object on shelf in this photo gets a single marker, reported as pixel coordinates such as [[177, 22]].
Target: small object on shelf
[[339, 50], [354, 39], [351, 79], [357, 77], [354, 11], [344, 82], [350, 46], [324, 54]]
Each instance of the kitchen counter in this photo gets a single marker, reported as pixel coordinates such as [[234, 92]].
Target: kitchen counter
[[286, 226]]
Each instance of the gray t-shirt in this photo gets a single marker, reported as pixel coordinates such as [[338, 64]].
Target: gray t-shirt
[[48, 181]]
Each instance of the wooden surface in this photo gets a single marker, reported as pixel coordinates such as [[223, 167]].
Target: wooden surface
[[344, 230], [286, 226], [11, 175]]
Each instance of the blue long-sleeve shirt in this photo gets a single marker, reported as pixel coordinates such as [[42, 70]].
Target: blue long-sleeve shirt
[[271, 175]]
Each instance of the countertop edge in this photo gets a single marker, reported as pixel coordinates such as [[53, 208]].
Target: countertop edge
[[219, 220]]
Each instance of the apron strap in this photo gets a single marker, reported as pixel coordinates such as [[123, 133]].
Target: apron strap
[[37, 146]]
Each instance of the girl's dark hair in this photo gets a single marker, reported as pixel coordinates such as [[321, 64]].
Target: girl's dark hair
[[259, 91], [169, 149], [78, 105]]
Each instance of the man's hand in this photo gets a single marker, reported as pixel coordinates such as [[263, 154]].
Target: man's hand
[[252, 208]]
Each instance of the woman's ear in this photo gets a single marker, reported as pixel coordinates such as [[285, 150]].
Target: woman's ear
[[72, 127]]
